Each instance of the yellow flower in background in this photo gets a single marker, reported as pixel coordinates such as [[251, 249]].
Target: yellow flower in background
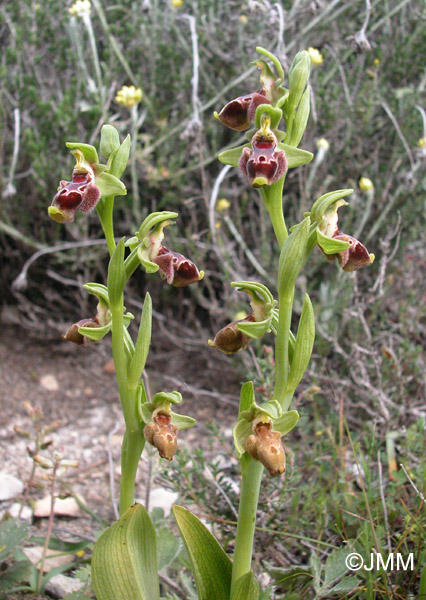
[[421, 143], [222, 204], [376, 62], [316, 56], [366, 184], [243, 19], [323, 144], [80, 8], [177, 3], [128, 96]]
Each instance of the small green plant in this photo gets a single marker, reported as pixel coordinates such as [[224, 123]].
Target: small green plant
[[124, 562]]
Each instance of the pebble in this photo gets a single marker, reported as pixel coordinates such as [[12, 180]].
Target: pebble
[[162, 498], [26, 513], [52, 561], [49, 383], [10, 486], [61, 585], [64, 507]]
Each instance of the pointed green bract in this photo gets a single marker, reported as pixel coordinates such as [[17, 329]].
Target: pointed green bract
[[232, 156], [246, 588], [211, 567], [109, 185], [137, 364], [110, 140], [303, 347], [329, 245], [116, 275], [246, 396], [124, 560], [292, 258], [120, 158]]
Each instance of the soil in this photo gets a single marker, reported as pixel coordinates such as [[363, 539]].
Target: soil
[[75, 385]]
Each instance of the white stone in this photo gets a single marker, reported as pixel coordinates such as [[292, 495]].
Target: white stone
[[61, 585], [162, 498], [53, 557], [26, 513], [65, 507], [49, 382], [10, 486]]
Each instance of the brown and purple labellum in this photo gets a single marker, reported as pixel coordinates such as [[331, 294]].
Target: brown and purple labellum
[[240, 112], [229, 339], [356, 256], [162, 434], [79, 194], [72, 334], [264, 164], [265, 446], [178, 270]]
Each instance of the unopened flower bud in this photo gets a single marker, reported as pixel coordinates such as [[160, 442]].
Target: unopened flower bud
[[315, 56], [298, 76], [128, 96], [162, 434], [365, 184], [44, 462], [265, 446], [229, 339], [264, 164]]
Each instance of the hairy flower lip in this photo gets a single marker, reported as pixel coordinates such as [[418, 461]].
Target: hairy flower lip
[[265, 446], [356, 256], [264, 163], [178, 270], [72, 334], [240, 112], [229, 339]]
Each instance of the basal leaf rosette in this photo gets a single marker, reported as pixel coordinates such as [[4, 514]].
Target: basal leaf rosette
[[260, 428], [161, 423]]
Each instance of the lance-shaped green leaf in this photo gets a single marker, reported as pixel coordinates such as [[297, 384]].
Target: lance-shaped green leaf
[[296, 157], [110, 140], [286, 422], [246, 396], [246, 588], [118, 161], [116, 275], [109, 185], [211, 567], [137, 364], [324, 202], [330, 245], [303, 347], [88, 151], [232, 156], [124, 560], [292, 258], [300, 119], [99, 290]]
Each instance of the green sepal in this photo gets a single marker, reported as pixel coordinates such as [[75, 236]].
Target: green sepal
[[255, 290], [300, 120], [99, 290], [116, 275], [118, 161], [182, 421], [153, 220], [323, 203], [172, 397], [232, 156], [148, 265], [255, 329], [124, 559], [137, 364], [95, 333], [246, 588], [109, 185], [292, 258], [271, 409], [273, 59], [246, 396], [286, 422], [88, 151], [132, 242], [296, 157], [98, 168], [240, 433], [211, 567], [110, 140], [330, 245], [303, 347]]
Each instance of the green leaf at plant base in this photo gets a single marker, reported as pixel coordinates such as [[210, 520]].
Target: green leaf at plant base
[[124, 560], [335, 566], [17, 573], [110, 140], [232, 156], [296, 157], [211, 567], [137, 364], [88, 151], [12, 533], [109, 185], [303, 346], [292, 258], [246, 588], [120, 158], [286, 422], [330, 245], [116, 275]]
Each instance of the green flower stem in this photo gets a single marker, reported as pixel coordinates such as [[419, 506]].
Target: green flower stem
[[281, 347], [249, 498], [105, 212], [131, 450], [272, 197], [133, 170]]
